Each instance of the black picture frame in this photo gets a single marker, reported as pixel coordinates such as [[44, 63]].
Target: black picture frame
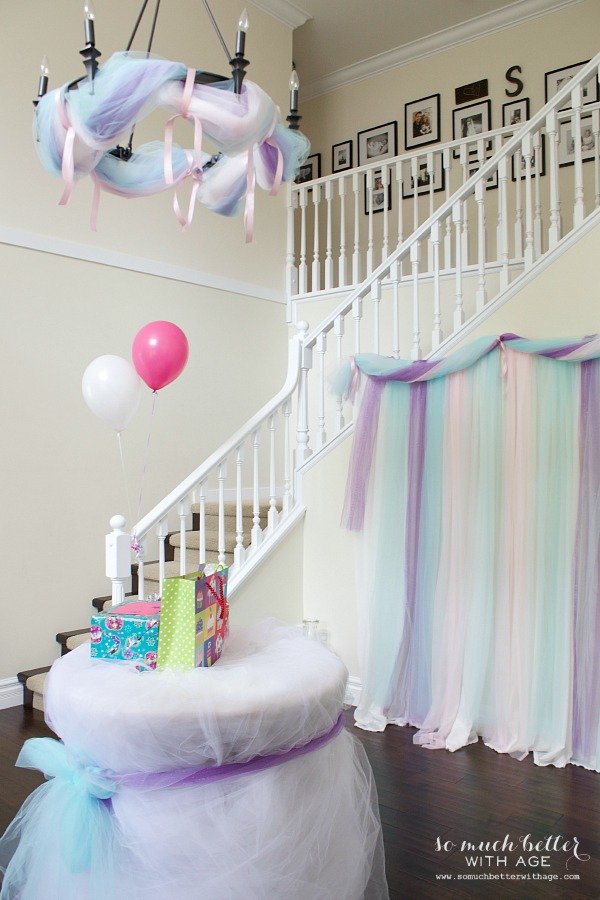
[[378, 192], [516, 112], [341, 156], [423, 177], [538, 167], [309, 169], [471, 121], [554, 81], [566, 146], [377, 143], [422, 122]]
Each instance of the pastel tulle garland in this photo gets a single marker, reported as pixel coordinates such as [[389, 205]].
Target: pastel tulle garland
[[75, 130], [475, 480]]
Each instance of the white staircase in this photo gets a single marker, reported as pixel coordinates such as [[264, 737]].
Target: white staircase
[[469, 248]]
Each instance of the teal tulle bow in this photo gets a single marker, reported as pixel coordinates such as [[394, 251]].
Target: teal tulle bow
[[84, 820]]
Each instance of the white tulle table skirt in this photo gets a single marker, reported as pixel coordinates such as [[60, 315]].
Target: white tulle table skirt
[[302, 828]]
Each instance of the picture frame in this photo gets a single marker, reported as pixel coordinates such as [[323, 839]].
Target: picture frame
[[516, 112], [491, 182], [378, 194], [309, 169], [554, 80], [472, 120], [566, 145], [538, 166], [341, 156], [422, 121], [423, 179], [377, 143]]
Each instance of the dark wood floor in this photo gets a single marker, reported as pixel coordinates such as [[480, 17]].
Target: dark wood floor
[[431, 799]]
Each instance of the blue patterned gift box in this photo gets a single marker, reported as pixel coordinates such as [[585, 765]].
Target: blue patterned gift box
[[127, 631]]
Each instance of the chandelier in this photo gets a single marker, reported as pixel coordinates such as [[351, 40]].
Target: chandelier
[[77, 128]]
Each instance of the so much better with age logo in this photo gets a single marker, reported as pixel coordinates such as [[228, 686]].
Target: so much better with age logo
[[550, 858]]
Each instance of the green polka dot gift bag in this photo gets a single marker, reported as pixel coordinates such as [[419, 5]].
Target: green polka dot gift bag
[[194, 619]]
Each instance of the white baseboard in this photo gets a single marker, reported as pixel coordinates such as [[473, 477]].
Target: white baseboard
[[11, 692], [353, 690]]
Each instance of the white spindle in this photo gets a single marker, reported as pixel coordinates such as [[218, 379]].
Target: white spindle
[[221, 481], [459, 315], [321, 348], [537, 219], [465, 150], [376, 300], [481, 296], [303, 450], [357, 316], [436, 335], [395, 278], [290, 256], [554, 227], [502, 228], [287, 466], [239, 552], [431, 178], [414, 175], [329, 248], [184, 508], [161, 532], [342, 262], [385, 181], [338, 330], [356, 252], [202, 524], [316, 264], [447, 162], [399, 187], [579, 206], [273, 515], [415, 256], [517, 163], [303, 268], [369, 190], [527, 149]]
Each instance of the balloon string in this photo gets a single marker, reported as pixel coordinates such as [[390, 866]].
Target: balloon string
[[146, 452], [124, 475]]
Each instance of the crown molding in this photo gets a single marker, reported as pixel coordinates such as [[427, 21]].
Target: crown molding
[[481, 26], [284, 11]]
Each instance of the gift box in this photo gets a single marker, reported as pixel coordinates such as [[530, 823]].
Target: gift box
[[127, 631], [194, 619]]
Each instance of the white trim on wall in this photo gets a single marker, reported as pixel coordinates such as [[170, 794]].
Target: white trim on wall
[[474, 29], [76, 250], [353, 691], [11, 692]]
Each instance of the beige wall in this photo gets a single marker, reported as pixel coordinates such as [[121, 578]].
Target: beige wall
[[538, 46], [61, 478]]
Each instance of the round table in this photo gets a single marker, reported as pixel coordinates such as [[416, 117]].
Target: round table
[[236, 782]]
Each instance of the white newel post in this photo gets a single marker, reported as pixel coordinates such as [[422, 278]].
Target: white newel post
[[118, 558]]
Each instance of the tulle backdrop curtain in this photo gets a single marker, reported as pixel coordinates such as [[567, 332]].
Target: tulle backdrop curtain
[[475, 481]]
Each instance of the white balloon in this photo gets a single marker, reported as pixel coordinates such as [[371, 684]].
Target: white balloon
[[112, 390]]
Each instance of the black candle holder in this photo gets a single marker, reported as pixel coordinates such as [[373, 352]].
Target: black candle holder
[[293, 119], [238, 66], [90, 54]]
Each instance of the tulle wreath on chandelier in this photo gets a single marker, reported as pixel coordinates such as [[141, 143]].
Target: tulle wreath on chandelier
[[77, 126]]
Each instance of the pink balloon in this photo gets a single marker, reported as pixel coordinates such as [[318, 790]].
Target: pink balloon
[[160, 352]]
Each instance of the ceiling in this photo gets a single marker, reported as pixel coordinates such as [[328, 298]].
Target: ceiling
[[340, 41]]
